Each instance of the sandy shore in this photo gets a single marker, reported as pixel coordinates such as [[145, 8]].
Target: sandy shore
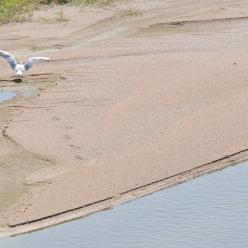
[[137, 97]]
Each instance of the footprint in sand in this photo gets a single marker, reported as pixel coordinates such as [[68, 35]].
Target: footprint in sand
[[69, 127], [55, 118], [75, 147], [79, 157], [67, 137]]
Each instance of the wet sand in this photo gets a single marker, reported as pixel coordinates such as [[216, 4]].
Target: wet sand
[[137, 97]]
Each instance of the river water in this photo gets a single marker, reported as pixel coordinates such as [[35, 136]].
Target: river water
[[209, 211]]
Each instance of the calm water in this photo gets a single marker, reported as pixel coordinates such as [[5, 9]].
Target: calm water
[[22, 91], [6, 95], [210, 211]]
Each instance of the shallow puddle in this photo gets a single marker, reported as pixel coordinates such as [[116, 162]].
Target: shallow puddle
[[210, 211], [6, 95]]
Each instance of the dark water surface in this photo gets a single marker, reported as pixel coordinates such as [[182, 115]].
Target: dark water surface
[[210, 211]]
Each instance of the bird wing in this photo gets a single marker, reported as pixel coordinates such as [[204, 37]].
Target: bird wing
[[9, 58], [34, 60]]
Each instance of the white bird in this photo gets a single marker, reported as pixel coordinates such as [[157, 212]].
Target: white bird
[[19, 67]]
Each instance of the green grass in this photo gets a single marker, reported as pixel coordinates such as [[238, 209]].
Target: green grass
[[21, 10], [79, 2], [16, 10]]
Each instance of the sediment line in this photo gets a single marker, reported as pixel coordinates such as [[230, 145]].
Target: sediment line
[[55, 215], [178, 23], [157, 185], [188, 171]]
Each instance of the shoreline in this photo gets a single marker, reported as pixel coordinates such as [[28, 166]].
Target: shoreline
[[142, 191], [137, 98]]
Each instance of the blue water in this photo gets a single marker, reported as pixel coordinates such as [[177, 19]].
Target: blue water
[[21, 91], [210, 211], [6, 95]]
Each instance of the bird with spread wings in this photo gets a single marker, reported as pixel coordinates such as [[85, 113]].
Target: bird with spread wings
[[19, 67]]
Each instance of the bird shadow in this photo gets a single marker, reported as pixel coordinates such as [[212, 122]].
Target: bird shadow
[[15, 80], [20, 80], [33, 78]]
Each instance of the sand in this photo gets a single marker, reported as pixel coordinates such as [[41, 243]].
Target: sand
[[138, 96]]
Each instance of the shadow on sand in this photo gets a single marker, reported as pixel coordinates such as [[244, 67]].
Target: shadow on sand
[[20, 80], [15, 80]]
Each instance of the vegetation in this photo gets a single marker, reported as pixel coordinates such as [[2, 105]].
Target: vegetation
[[21, 10], [132, 13], [91, 2], [16, 10], [79, 2]]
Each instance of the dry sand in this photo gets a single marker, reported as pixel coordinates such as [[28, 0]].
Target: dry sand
[[138, 96]]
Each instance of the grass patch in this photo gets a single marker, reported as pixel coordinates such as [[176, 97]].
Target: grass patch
[[132, 13], [21, 10], [61, 16], [79, 2], [16, 10]]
